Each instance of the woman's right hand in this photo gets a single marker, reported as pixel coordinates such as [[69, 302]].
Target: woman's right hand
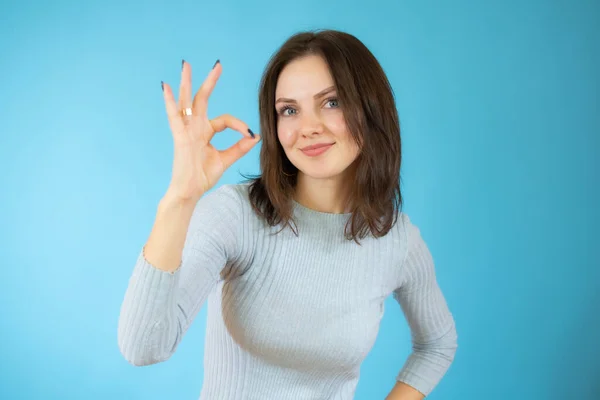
[[197, 165]]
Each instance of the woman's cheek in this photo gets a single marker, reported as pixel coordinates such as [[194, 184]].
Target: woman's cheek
[[286, 135], [337, 124]]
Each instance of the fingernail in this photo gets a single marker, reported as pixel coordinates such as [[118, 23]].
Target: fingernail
[[182, 63], [216, 62], [162, 85], [251, 133]]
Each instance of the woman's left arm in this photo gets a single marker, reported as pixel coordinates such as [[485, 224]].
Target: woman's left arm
[[434, 338]]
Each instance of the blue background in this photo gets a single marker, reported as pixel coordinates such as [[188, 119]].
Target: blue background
[[500, 117]]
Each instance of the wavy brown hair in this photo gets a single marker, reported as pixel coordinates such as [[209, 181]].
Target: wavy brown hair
[[368, 105]]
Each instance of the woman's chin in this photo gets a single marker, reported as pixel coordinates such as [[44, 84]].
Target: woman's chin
[[320, 173]]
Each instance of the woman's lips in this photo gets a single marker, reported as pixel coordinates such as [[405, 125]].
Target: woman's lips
[[317, 151]]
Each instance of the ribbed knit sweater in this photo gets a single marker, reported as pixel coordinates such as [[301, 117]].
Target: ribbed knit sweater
[[289, 317]]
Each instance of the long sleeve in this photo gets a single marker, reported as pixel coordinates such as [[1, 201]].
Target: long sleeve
[[433, 331], [159, 306]]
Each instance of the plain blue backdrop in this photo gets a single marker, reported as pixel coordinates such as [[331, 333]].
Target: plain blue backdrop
[[499, 109]]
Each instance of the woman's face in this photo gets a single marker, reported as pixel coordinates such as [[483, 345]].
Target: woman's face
[[309, 114]]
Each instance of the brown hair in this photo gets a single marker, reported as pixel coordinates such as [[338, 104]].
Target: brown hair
[[369, 109]]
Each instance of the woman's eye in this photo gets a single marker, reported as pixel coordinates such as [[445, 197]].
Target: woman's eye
[[333, 103], [287, 111]]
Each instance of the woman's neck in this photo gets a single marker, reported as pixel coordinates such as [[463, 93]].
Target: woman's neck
[[324, 195]]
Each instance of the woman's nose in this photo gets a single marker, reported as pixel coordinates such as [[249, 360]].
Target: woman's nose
[[310, 124]]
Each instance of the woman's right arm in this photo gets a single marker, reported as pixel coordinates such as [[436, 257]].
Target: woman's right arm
[[175, 272], [194, 234]]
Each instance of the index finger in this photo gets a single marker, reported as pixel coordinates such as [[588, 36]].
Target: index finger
[[224, 121]]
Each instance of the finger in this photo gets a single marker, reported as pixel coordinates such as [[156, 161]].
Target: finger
[[175, 121], [185, 86], [200, 102], [238, 150], [225, 121]]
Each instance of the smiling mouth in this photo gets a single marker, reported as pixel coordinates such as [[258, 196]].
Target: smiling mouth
[[317, 150]]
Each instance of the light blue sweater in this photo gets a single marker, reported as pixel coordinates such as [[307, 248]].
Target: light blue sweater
[[289, 317]]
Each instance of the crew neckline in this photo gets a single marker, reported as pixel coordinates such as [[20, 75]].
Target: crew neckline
[[309, 212]]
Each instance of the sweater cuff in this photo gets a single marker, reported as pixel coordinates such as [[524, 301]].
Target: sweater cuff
[[152, 284], [417, 375]]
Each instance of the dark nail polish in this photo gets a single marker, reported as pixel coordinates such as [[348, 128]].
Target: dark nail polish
[[251, 133], [216, 62], [182, 63], [162, 85]]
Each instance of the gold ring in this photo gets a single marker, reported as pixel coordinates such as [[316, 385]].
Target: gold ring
[[186, 111]]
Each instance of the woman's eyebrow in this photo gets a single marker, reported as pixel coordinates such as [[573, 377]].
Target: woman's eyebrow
[[316, 96]]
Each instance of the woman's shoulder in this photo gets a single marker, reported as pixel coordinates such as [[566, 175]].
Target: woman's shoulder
[[229, 190], [404, 230], [231, 196], [406, 226]]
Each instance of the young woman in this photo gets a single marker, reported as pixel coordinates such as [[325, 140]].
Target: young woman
[[296, 263]]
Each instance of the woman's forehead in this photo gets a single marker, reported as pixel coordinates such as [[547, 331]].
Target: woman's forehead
[[304, 78]]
